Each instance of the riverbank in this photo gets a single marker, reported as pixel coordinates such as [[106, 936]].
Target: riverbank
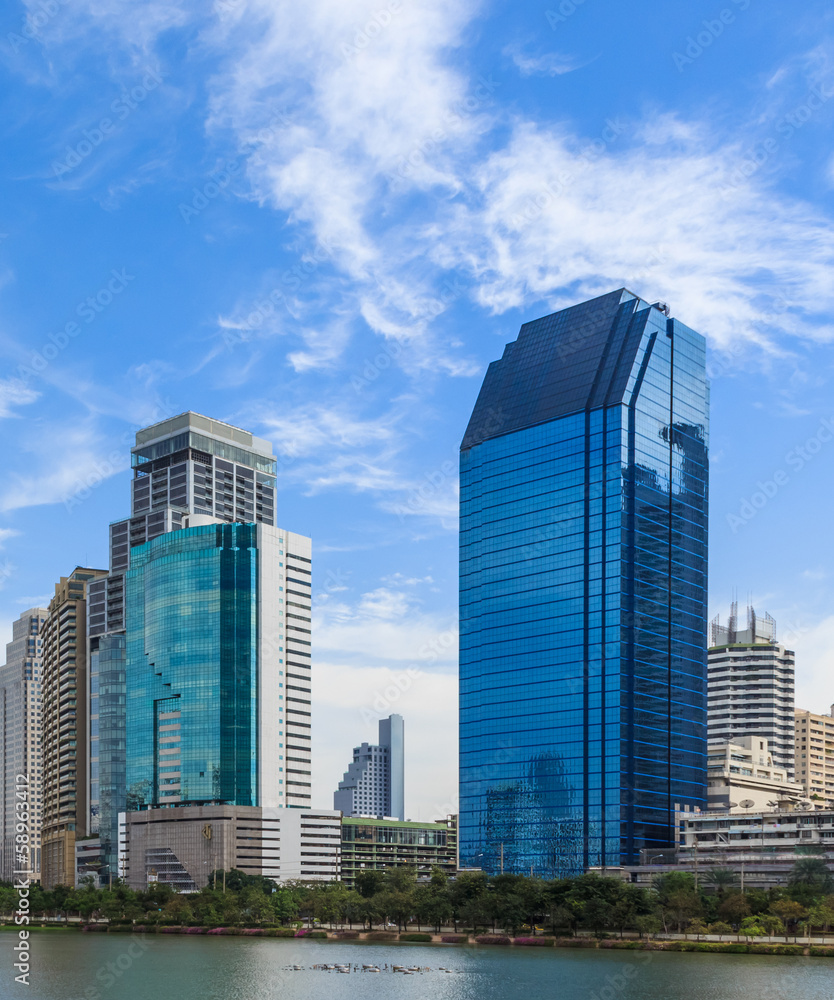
[[706, 944]]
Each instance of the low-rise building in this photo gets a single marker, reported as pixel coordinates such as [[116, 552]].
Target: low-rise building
[[741, 775], [760, 847], [382, 843], [182, 846], [814, 750]]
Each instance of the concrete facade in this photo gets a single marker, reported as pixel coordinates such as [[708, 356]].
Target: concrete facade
[[20, 740], [751, 686], [374, 783], [182, 846], [65, 719], [742, 771], [814, 740]]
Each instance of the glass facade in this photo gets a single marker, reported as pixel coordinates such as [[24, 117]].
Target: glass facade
[[583, 573], [192, 668], [107, 746]]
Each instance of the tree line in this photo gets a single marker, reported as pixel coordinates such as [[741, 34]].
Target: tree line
[[472, 901]]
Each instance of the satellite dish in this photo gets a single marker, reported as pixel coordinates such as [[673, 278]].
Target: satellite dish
[[747, 803]]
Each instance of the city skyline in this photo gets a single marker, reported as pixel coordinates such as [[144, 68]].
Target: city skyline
[[241, 248]]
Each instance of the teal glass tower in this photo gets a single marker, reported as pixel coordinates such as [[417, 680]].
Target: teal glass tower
[[583, 575], [204, 668]]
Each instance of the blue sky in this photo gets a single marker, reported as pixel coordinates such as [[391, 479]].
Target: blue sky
[[322, 221]]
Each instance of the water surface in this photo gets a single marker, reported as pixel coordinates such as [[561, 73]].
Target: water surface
[[74, 966]]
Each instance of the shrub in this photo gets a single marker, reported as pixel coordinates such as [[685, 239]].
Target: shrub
[[281, 932], [821, 952], [455, 938], [415, 937], [534, 942], [492, 939], [349, 935], [381, 936], [221, 930]]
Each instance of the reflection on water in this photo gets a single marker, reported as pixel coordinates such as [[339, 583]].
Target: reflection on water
[[71, 966]]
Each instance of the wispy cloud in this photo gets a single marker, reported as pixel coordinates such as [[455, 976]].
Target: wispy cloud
[[547, 64], [15, 392]]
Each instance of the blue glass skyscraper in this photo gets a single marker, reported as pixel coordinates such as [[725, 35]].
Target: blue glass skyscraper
[[583, 575]]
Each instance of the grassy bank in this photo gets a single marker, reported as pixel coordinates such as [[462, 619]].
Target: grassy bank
[[475, 941]]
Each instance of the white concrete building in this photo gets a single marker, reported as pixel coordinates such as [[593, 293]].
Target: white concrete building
[[181, 847], [741, 775], [373, 784], [20, 738], [814, 740], [751, 686]]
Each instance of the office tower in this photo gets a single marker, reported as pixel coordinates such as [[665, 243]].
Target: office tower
[[751, 685], [583, 573], [187, 470], [186, 464], [20, 742], [217, 668], [374, 783], [814, 748], [65, 711]]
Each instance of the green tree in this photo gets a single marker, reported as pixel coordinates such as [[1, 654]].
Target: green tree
[[720, 880], [790, 912], [734, 908]]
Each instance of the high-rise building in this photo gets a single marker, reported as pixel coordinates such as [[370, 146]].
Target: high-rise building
[[374, 783], [187, 470], [751, 685], [217, 668], [65, 710], [814, 736], [583, 574], [20, 742], [185, 464]]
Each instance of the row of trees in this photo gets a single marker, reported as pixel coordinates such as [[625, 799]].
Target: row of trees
[[472, 901]]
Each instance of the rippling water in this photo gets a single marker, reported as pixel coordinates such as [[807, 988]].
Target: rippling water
[[100, 967]]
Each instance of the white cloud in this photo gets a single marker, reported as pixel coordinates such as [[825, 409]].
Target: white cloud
[[6, 534], [64, 465], [548, 64], [348, 704], [377, 655], [14, 392], [814, 648]]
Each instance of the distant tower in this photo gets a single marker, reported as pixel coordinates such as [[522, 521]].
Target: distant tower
[[20, 739], [374, 783], [751, 685]]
